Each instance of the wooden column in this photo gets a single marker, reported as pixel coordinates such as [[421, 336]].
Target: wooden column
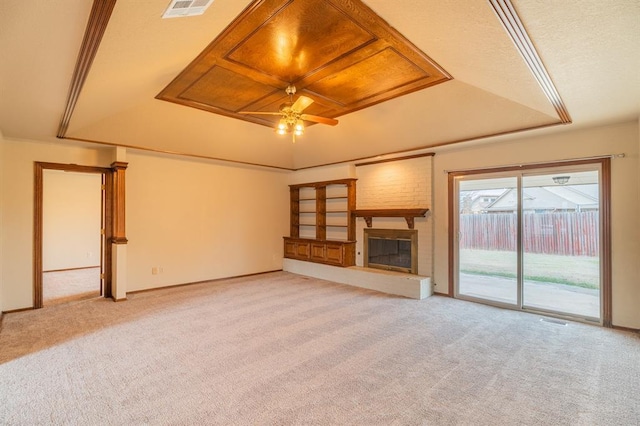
[[119, 234], [37, 235]]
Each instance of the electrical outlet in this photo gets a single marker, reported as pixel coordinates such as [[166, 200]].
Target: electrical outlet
[[154, 270]]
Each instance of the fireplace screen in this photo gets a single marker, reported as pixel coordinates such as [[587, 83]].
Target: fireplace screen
[[391, 249]]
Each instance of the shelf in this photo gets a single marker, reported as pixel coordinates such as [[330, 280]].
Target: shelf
[[408, 214], [314, 204]]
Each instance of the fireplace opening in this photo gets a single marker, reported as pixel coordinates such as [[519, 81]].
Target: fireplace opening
[[391, 249]]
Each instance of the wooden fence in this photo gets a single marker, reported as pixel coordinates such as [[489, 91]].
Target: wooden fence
[[569, 234]]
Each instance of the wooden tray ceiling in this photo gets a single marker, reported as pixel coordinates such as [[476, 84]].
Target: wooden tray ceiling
[[338, 52]]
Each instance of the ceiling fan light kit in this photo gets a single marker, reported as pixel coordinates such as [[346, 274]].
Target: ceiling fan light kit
[[292, 119], [290, 126]]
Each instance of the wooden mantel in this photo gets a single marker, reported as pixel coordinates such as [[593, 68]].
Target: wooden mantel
[[408, 214]]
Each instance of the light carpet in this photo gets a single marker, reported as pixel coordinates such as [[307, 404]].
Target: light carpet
[[74, 284], [280, 349]]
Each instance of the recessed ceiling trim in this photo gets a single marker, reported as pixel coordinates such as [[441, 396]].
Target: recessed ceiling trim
[[513, 25], [435, 145], [247, 163], [182, 154], [389, 160], [96, 26]]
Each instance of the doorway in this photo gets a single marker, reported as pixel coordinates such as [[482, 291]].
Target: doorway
[[96, 254], [72, 240], [534, 238]]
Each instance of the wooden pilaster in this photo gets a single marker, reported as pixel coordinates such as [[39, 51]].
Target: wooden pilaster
[[119, 234]]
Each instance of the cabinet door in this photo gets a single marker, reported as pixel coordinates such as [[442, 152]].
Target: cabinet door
[[318, 251], [334, 253], [290, 249], [302, 250]]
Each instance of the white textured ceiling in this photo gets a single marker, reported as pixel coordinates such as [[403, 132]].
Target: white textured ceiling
[[589, 47]]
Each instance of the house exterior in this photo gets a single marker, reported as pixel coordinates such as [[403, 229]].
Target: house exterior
[[575, 198]]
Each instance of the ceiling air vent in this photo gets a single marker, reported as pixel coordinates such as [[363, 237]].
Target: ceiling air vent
[[180, 8]]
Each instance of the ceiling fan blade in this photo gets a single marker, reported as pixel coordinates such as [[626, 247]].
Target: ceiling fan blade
[[318, 119], [259, 112], [301, 103]]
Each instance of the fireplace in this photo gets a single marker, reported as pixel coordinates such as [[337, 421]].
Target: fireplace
[[391, 249]]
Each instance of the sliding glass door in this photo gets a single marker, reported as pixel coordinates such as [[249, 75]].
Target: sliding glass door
[[531, 239], [487, 243], [560, 244]]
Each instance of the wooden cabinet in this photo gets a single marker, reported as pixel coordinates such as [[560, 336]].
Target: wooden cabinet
[[339, 253], [322, 224], [296, 249]]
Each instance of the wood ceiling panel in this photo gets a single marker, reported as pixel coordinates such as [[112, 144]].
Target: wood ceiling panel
[[301, 38], [337, 52], [372, 77], [226, 89]]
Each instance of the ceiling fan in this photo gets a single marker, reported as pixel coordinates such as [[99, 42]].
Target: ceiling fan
[[292, 118]]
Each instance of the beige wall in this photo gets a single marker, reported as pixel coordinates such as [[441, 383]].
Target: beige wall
[[17, 201], [196, 220], [625, 204], [71, 220], [1, 208]]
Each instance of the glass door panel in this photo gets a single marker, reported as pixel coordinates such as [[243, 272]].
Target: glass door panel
[[488, 239], [560, 242]]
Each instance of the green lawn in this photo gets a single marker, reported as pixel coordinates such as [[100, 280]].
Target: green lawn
[[580, 271]]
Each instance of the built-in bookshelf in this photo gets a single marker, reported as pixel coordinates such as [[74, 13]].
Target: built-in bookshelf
[[322, 224]]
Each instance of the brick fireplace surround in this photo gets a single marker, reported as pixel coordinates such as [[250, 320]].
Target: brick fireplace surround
[[401, 184]]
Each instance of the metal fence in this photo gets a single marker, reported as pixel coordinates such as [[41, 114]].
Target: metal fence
[[569, 234]]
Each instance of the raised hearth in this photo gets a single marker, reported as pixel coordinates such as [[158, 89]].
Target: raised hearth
[[407, 285]]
